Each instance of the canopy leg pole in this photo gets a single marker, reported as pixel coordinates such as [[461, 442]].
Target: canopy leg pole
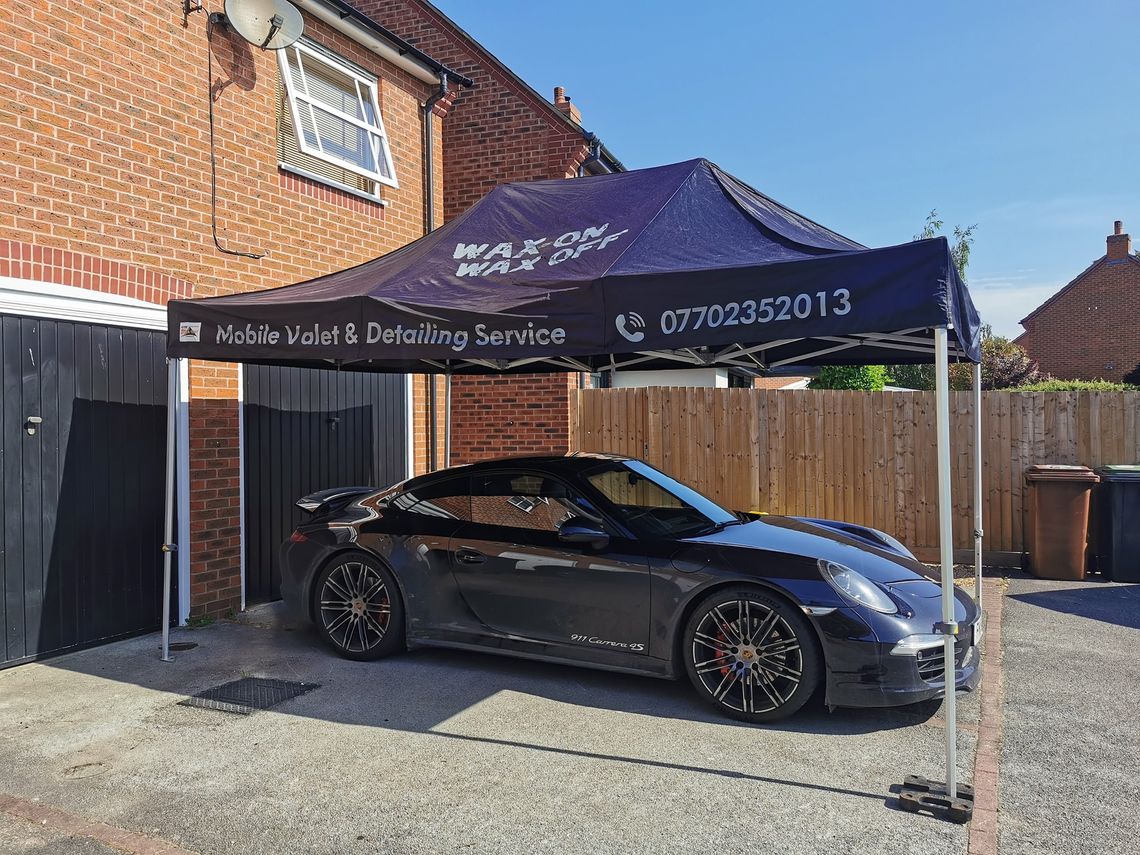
[[447, 420], [977, 372], [946, 549], [433, 426], [918, 793], [168, 546]]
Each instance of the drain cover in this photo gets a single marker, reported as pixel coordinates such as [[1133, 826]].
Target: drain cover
[[248, 694]]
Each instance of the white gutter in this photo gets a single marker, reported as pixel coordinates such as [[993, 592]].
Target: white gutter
[[361, 35]]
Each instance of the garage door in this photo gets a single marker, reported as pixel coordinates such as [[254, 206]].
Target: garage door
[[307, 430], [82, 488]]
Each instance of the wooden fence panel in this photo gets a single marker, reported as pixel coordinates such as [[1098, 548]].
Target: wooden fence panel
[[864, 457]]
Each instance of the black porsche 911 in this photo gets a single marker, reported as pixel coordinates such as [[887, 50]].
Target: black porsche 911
[[605, 561]]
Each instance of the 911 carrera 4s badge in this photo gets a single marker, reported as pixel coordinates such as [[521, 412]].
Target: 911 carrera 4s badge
[[632, 646]]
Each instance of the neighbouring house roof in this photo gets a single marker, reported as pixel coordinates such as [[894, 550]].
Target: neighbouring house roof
[[1076, 281]]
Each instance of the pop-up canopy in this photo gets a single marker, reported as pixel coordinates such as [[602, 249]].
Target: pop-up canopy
[[674, 264]]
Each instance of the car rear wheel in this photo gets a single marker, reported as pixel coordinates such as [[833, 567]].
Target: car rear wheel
[[751, 654], [358, 609]]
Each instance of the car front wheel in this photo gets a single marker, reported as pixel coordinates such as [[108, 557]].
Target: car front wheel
[[751, 654], [358, 609]]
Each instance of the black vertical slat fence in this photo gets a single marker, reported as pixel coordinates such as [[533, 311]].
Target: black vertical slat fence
[[82, 498], [308, 430]]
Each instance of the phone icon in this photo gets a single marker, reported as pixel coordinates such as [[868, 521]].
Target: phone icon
[[631, 329]]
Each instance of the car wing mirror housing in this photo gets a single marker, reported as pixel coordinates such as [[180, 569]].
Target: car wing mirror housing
[[583, 534]]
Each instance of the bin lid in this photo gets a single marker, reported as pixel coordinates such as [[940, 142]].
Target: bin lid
[[1119, 472], [1060, 472]]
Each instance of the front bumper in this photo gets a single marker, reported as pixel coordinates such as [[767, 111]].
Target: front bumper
[[898, 680]]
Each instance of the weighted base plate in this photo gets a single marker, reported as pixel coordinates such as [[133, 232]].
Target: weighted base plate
[[919, 793]]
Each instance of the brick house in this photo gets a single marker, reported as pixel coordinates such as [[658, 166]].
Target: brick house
[[106, 212], [1088, 329]]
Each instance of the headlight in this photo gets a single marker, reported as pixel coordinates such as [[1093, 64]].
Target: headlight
[[856, 587]]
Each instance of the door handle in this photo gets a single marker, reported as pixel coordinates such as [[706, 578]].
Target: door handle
[[470, 556]]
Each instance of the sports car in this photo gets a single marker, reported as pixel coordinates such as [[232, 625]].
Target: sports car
[[604, 561]]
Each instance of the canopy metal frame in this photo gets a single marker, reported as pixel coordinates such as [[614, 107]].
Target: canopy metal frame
[[907, 341]]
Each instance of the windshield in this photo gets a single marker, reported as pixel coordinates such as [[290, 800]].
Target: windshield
[[653, 505]]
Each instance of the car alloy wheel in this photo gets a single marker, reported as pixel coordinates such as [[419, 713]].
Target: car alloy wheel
[[358, 614], [751, 655]]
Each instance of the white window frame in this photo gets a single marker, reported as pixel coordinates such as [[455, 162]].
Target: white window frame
[[365, 85]]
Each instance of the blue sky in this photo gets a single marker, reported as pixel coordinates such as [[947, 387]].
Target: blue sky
[[1020, 117]]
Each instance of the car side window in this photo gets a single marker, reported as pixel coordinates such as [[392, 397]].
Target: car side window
[[447, 499], [527, 501]]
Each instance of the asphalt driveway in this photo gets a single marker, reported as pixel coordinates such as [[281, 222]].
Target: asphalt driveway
[[1071, 755], [440, 751]]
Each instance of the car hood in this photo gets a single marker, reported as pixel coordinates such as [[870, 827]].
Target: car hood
[[793, 536]]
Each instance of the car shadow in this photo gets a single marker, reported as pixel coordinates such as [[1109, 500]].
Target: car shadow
[[423, 688], [673, 699], [1109, 602]]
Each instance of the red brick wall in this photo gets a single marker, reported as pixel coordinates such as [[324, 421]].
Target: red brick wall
[[107, 186], [497, 132], [522, 414], [1091, 330]]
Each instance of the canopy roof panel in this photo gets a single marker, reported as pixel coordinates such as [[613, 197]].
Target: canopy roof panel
[[669, 266]]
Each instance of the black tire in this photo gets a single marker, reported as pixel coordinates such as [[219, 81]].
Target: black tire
[[763, 678], [357, 608]]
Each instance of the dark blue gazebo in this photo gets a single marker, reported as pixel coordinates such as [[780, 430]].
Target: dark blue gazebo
[[675, 266]]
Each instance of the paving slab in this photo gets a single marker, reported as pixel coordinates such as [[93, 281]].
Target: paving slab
[[446, 751], [20, 837], [1070, 762]]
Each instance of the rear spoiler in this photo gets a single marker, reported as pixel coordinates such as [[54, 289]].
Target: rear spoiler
[[333, 499]]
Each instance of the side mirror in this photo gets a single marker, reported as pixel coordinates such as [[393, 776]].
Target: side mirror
[[583, 533]]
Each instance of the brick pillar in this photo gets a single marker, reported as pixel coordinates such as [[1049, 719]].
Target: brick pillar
[[215, 522]]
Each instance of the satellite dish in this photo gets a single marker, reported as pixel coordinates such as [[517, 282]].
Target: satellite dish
[[269, 24]]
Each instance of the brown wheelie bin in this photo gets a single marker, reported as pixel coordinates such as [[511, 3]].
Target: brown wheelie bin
[[1057, 520]]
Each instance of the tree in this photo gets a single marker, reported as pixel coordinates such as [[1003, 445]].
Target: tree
[[922, 376], [1005, 364], [867, 378], [959, 249]]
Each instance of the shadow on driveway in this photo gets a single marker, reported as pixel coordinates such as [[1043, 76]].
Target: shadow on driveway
[[1109, 602], [419, 690]]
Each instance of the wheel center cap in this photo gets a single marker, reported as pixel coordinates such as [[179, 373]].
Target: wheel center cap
[[358, 606], [746, 653]]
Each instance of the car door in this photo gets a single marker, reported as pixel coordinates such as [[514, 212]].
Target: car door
[[520, 578]]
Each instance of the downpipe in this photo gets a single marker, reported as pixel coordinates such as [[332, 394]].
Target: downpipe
[[429, 226]]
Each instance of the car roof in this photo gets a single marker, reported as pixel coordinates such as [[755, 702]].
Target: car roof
[[573, 462]]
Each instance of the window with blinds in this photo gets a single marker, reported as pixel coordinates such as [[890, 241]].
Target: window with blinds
[[328, 122]]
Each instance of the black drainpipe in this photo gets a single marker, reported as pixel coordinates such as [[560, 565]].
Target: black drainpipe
[[429, 225]]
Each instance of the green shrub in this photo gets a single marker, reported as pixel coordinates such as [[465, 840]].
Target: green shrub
[[1053, 385], [867, 378]]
